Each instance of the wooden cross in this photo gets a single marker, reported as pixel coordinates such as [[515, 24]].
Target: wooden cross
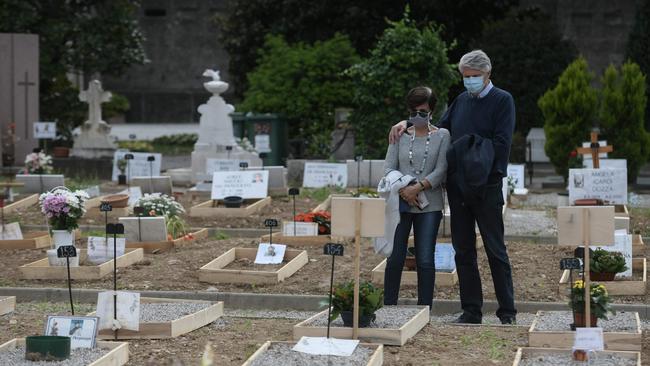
[[595, 149]]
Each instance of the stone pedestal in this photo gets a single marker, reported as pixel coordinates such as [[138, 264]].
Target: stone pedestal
[[94, 141]]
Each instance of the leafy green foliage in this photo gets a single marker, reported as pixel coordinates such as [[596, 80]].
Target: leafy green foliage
[[600, 301], [569, 110], [603, 261], [638, 46], [371, 299], [514, 45], [185, 139], [622, 115], [304, 83], [405, 56]]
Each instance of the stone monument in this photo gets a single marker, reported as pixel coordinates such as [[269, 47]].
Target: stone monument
[[216, 136], [94, 141]]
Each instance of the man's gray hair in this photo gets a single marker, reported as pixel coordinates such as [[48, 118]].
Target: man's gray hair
[[475, 60]]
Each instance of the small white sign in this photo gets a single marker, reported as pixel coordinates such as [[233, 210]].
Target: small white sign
[[589, 339], [223, 165], [602, 155], [44, 130], [11, 231], [516, 174], [318, 175], [270, 254], [99, 252], [326, 346], [444, 257], [609, 185], [263, 143], [138, 166], [128, 310], [301, 228], [606, 163], [82, 330], [622, 244], [248, 184]]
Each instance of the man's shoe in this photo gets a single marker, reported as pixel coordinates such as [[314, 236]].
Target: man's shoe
[[464, 319], [509, 320]]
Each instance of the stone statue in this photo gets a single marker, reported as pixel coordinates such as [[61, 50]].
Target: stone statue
[[94, 141]]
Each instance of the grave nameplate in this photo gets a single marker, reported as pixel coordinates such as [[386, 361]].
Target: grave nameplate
[[40, 183], [146, 228], [155, 184], [609, 185], [138, 166], [128, 310], [302, 228], [318, 175], [270, 253], [516, 173], [248, 184], [11, 231], [222, 165], [82, 330], [99, 252]]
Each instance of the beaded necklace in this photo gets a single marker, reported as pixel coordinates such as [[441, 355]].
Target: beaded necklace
[[426, 152]]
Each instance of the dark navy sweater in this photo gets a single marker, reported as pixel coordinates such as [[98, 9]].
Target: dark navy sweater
[[492, 117]]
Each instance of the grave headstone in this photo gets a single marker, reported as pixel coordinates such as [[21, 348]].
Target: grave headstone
[[318, 175], [100, 252], [609, 185], [248, 184], [37, 183], [128, 310], [263, 143], [11, 231], [138, 166], [516, 174], [537, 139], [301, 228], [444, 257], [94, 140], [156, 184], [622, 244], [277, 176], [149, 229], [220, 165], [366, 173]]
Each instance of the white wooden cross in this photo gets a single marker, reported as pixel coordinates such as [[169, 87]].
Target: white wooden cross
[[94, 96]]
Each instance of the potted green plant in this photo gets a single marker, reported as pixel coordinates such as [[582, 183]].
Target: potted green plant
[[604, 265], [121, 166], [600, 303], [371, 299]]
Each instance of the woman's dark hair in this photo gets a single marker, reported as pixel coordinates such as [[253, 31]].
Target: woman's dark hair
[[420, 95]]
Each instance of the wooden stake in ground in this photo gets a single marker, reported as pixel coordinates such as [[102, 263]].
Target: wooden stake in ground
[[595, 149], [357, 269], [587, 282]]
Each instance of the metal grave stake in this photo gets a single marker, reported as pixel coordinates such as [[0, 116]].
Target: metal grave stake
[[333, 249], [293, 192], [138, 211], [270, 223], [114, 229], [263, 156], [128, 158], [151, 159], [67, 252]]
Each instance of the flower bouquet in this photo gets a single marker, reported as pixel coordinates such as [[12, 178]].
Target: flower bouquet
[[322, 218], [157, 204], [38, 163], [600, 303]]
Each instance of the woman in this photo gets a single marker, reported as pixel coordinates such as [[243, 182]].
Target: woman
[[420, 154]]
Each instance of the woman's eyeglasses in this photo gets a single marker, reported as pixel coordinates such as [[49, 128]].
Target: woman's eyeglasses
[[422, 114]]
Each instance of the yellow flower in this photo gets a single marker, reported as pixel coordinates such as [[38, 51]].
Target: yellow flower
[[578, 284]]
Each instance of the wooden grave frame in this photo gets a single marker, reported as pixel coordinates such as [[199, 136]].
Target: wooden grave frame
[[638, 246], [7, 304], [28, 201], [614, 341], [170, 329], [621, 287], [376, 359], [215, 271], [394, 337], [532, 351], [117, 356], [30, 240], [208, 209], [92, 208], [163, 246], [41, 270], [443, 279]]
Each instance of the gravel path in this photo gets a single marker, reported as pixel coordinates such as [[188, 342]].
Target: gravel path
[[80, 356], [280, 354], [388, 317], [523, 319], [563, 359], [561, 320], [529, 222], [166, 312]]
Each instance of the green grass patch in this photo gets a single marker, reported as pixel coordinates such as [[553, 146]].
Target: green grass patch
[[220, 235]]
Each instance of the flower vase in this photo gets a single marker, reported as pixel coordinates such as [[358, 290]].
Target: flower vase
[[62, 238]]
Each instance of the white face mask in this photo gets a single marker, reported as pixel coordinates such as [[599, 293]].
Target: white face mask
[[473, 84]]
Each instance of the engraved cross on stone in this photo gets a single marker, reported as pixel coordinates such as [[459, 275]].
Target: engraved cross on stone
[[26, 84], [94, 96]]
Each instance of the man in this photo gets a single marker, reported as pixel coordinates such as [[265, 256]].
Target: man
[[487, 111]]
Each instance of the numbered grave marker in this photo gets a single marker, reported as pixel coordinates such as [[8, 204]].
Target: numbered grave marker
[[105, 207], [570, 263], [66, 251], [271, 223], [333, 249], [294, 191], [243, 165]]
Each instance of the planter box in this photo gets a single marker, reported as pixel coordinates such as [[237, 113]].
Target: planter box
[[443, 279], [41, 269], [33, 240], [297, 241], [396, 337], [163, 246], [528, 352], [376, 359], [621, 287], [215, 271], [208, 209], [616, 341], [170, 329], [7, 304], [117, 356]]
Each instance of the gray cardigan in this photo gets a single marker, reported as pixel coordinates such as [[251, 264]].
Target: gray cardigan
[[435, 167]]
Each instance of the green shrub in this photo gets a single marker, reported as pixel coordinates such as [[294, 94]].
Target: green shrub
[[181, 139], [638, 46], [603, 261], [405, 56], [622, 116], [371, 298], [569, 110]]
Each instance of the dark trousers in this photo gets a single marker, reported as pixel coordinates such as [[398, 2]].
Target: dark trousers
[[425, 230], [488, 215]]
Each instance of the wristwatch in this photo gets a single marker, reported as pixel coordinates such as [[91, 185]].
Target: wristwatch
[[422, 185]]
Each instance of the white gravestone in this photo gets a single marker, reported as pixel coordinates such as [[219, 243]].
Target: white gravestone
[[602, 155], [222, 165], [318, 175], [11, 231], [94, 141], [156, 184], [138, 166], [39, 183], [606, 164], [516, 173], [99, 252], [148, 229], [369, 173], [248, 184], [622, 244], [609, 185], [301, 228], [128, 310], [277, 176]]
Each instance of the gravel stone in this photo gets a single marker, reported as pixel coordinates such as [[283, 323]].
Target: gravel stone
[[281, 354], [388, 317], [78, 357], [167, 312], [561, 320], [529, 222], [523, 319], [269, 314], [566, 359]]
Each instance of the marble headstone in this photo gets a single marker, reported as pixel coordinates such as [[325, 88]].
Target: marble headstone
[[94, 141], [39, 183], [159, 184], [149, 229]]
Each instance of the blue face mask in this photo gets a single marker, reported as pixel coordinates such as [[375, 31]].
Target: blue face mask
[[473, 84]]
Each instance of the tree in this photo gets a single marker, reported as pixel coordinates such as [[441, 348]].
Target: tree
[[638, 47], [514, 44], [403, 58], [569, 110], [622, 115], [304, 83]]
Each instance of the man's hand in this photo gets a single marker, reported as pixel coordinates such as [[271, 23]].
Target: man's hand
[[396, 132], [410, 195]]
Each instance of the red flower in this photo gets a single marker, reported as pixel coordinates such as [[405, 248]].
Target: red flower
[[573, 154]]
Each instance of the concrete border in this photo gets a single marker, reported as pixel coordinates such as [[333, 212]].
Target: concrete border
[[280, 301]]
